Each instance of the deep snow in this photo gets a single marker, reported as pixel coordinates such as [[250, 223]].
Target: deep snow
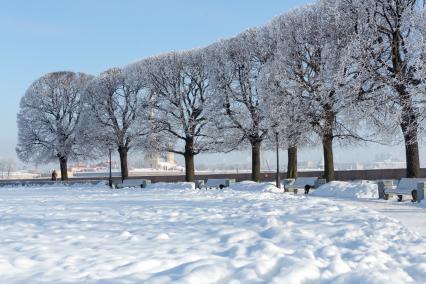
[[154, 235], [350, 190]]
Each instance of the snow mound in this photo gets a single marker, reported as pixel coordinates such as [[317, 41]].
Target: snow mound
[[350, 190], [102, 235], [255, 186], [63, 186], [172, 186]]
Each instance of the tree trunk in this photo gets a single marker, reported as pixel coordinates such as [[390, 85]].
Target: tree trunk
[[292, 162], [122, 151], [409, 127], [409, 120], [255, 161], [189, 167], [413, 161], [189, 161], [64, 168], [327, 143], [409, 130]]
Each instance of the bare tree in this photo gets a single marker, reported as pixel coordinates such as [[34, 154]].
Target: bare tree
[[391, 51], [116, 111], [181, 104], [312, 44], [6, 167], [48, 118], [236, 66], [285, 111], [10, 166]]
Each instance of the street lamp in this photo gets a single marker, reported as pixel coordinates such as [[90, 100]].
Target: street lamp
[[277, 178], [110, 167]]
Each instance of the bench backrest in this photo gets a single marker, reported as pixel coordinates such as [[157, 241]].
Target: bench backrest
[[302, 181], [287, 181], [135, 182], [408, 184], [215, 182]]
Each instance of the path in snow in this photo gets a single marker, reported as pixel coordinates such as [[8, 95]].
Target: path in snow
[[410, 215], [98, 235]]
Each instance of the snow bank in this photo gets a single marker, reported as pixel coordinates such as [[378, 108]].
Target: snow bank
[[55, 186], [199, 236], [255, 186], [172, 186], [350, 190]]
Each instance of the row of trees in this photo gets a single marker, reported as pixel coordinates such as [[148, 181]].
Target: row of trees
[[337, 70]]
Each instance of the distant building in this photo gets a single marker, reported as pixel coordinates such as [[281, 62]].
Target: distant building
[[310, 165], [154, 160], [170, 158], [21, 175], [388, 164]]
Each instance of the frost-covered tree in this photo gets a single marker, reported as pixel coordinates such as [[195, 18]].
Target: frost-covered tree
[[285, 111], [390, 50], [116, 108], [6, 167], [48, 119], [236, 66], [312, 45], [182, 105]]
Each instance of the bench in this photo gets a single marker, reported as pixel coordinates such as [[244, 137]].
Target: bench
[[142, 183], [301, 182], [287, 182], [199, 183], [412, 187], [219, 183]]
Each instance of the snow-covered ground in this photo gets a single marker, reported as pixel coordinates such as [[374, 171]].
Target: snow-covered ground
[[348, 190], [181, 235], [410, 214]]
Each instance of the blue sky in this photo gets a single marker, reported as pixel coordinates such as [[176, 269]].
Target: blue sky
[[42, 36], [90, 36]]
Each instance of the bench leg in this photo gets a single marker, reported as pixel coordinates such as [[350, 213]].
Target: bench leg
[[399, 197], [295, 191], [414, 195], [386, 196]]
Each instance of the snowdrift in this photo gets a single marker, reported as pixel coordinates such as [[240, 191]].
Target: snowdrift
[[255, 187], [200, 236], [172, 186], [347, 190]]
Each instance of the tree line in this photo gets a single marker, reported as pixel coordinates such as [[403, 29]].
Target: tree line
[[336, 71]]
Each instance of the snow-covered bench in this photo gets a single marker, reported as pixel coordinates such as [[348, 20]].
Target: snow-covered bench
[[220, 183], [199, 183], [287, 182], [383, 186], [301, 182], [142, 183], [405, 187]]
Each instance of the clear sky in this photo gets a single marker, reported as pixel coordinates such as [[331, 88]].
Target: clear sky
[[37, 37]]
